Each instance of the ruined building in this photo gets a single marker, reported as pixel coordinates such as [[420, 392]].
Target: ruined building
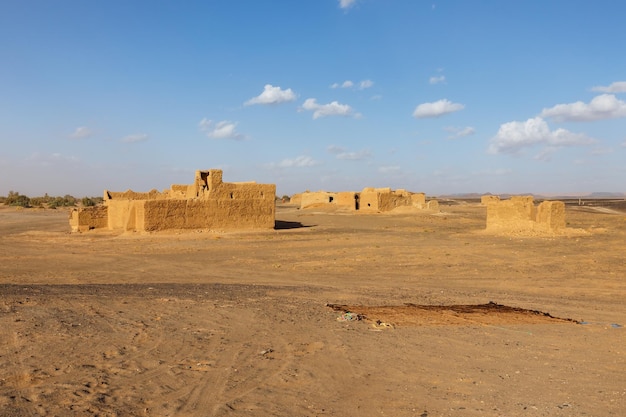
[[520, 213], [370, 200], [208, 203]]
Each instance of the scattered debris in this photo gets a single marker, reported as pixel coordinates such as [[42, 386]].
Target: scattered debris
[[380, 325], [409, 314], [349, 316]]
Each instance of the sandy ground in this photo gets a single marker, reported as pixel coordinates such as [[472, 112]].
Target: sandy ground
[[241, 324]]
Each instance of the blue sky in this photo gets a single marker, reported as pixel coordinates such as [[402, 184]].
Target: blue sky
[[430, 96]]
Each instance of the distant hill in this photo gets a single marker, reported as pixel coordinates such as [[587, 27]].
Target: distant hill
[[594, 195], [606, 195]]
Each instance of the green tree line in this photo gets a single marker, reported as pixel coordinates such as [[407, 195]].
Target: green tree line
[[16, 199]]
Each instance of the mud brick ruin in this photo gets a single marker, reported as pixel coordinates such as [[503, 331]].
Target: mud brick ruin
[[208, 203], [370, 200], [520, 213]]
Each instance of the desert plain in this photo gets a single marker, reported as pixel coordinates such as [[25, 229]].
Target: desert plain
[[409, 313]]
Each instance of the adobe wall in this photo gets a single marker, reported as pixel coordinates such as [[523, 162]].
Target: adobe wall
[[369, 200], [133, 195], [207, 203], [344, 199], [207, 214], [82, 220], [220, 206], [419, 200], [432, 205], [119, 214], [551, 215], [316, 198], [384, 199], [390, 200], [519, 213], [486, 199], [296, 199], [347, 199]]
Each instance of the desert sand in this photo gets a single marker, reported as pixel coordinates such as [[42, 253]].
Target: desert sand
[[330, 314]]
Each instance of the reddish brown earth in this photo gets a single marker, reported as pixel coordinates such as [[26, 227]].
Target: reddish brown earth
[[257, 323]]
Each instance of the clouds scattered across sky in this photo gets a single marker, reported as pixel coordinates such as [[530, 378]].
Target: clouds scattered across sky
[[51, 159], [389, 169], [512, 137], [346, 4], [343, 154], [81, 132], [297, 162], [436, 109], [350, 84], [272, 95], [220, 130], [437, 80], [136, 137], [459, 132], [331, 109], [616, 87], [602, 107], [426, 108]]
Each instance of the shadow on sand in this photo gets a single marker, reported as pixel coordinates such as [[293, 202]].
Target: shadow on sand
[[283, 225]]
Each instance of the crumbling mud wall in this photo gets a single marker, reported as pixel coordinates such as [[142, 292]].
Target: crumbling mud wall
[[419, 200], [315, 199], [551, 215], [348, 199], [369, 200], [92, 218], [342, 200], [384, 199], [296, 199], [485, 199], [519, 214], [208, 203]]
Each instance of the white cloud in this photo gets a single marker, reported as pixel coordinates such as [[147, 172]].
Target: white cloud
[[495, 172], [459, 132], [546, 153], [365, 84], [350, 84], [345, 84], [616, 87], [272, 95], [346, 4], [388, 169], [437, 80], [330, 109], [601, 151], [513, 136], [297, 162], [343, 154], [81, 132], [436, 109], [604, 106], [136, 137], [220, 130], [53, 159]]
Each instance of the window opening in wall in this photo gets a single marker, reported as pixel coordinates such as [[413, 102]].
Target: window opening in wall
[[356, 201], [330, 199], [231, 195]]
